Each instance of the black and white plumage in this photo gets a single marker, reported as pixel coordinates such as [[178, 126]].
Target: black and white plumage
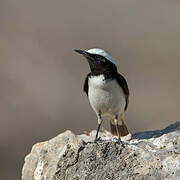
[[106, 89]]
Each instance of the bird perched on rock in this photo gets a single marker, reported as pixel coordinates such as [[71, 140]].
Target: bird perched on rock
[[106, 89]]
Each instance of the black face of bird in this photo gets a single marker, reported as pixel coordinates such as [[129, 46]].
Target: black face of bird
[[98, 64]]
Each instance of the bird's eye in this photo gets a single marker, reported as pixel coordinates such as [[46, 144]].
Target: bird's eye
[[100, 59]]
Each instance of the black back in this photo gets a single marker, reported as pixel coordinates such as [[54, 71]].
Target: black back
[[86, 86], [122, 82]]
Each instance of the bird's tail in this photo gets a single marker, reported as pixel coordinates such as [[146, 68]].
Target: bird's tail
[[121, 127]]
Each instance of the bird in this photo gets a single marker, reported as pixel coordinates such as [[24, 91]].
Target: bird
[[107, 90]]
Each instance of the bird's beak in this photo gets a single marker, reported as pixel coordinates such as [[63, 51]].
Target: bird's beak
[[87, 56], [84, 53]]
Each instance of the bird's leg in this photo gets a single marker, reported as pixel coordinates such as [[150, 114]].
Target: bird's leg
[[99, 125], [117, 129]]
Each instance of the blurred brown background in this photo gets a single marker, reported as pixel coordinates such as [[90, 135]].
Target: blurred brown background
[[41, 77]]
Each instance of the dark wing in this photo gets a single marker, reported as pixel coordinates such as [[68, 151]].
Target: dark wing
[[122, 82], [86, 87]]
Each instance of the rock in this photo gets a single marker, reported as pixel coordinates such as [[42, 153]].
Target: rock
[[147, 155]]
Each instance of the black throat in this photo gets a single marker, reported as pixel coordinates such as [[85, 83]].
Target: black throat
[[109, 71]]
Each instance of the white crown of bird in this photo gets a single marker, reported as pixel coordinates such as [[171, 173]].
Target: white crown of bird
[[101, 52]]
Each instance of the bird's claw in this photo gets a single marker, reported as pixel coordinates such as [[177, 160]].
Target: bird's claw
[[96, 139], [120, 142]]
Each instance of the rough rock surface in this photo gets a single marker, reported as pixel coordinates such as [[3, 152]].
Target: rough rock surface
[[147, 155]]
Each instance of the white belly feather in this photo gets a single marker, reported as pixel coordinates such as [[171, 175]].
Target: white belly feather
[[106, 96]]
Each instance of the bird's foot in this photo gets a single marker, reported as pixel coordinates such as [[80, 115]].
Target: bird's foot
[[120, 142], [97, 139]]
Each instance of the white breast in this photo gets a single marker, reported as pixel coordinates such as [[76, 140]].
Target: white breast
[[106, 96]]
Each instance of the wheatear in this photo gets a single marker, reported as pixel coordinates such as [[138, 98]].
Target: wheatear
[[106, 89]]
